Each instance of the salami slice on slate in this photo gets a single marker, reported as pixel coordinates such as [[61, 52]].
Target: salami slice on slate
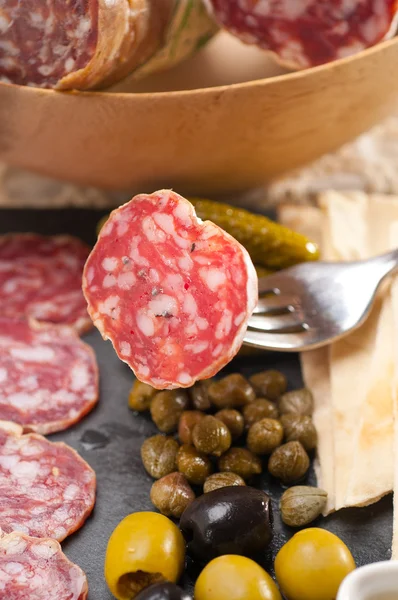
[[48, 376], [37, 569], [40, 277], [46, 488], [171, 292], [305, 33]]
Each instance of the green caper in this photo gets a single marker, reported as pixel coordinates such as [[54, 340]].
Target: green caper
[[289, 462], [241, 462], [264, 436], [140, 396], [297, 402], [167, 408], [259, 409], [195, 465], [300, 429], [187, 422], [200, 396], [211, 436], [269, 384], [233, 419], [172, 494], [220, 480], [159, 455], [300, 505], [231, 391]]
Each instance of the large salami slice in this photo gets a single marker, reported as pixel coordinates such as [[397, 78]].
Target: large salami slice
[[37, 569], [171, 292], [40, 277], [304, 33], [46, 488], [48, 376]]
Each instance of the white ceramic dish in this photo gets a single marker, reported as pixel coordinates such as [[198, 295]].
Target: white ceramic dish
[[378, 581]]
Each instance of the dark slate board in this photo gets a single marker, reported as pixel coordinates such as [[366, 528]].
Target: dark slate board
[[110, 438]]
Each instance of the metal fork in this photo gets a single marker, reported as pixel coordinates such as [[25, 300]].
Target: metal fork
[[313, 304]]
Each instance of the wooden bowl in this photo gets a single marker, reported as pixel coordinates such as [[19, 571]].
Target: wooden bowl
[[222, 139]]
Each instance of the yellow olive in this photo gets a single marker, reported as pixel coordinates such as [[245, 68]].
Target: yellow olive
[[312, 565], [145, 548], [232, 577]]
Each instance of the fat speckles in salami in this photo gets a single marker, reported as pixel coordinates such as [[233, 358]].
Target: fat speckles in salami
[[172, 293], [48, 376], [304, 33], [40, 277], [46, 488], [37, 569]]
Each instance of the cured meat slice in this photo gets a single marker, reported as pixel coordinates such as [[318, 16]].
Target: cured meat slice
[[40, 277], [46, 488], [37, 569], [305, 33], [48, 376], [171, 292]]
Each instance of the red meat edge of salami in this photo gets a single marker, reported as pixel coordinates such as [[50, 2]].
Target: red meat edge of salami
[[48, 376], [172, 293], [40, 277], [46, 488], [305, 33], [37, 569]]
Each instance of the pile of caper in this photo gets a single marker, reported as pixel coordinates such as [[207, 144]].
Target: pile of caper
[[228, 430]]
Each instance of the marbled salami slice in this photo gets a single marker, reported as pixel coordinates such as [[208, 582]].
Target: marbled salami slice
[[41, 277], [305, 33], [172, 293], [48, 376], [46, 488], [37, 569]]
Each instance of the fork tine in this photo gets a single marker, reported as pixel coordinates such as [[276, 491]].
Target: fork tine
[[269, 283], [286, 342], [289, 322], [273, 305]]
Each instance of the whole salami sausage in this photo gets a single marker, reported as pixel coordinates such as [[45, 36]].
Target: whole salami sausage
[[88, 44], [48, 376], [41, 276], [171, 292], [46, 488], [305, 33], [37, 569]]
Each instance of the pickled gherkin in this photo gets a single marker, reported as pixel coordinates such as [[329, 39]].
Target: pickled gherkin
[[269, 244]]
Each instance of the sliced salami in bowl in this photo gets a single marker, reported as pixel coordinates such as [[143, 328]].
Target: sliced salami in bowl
[[171, 292]]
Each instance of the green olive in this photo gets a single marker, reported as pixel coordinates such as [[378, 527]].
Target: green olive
[[145, 548], [301, 429], [211, 436], [289, 462], [187, 422], [220, 480], [240, 461], [140, 396], [231, 391], [195, 465], [232, 577], [233, 419], [264, 436], [172, 494], [167, 408], [297, 402], [269, 384], [159, 455], [259, 409], [312, 565]]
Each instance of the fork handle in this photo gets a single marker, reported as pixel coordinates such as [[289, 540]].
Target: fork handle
[[388, 262]]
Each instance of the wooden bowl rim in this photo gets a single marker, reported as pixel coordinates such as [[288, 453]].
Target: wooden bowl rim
[[261, 83]]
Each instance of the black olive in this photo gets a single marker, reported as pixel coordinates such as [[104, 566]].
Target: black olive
[[163, 591], [230, 520]]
